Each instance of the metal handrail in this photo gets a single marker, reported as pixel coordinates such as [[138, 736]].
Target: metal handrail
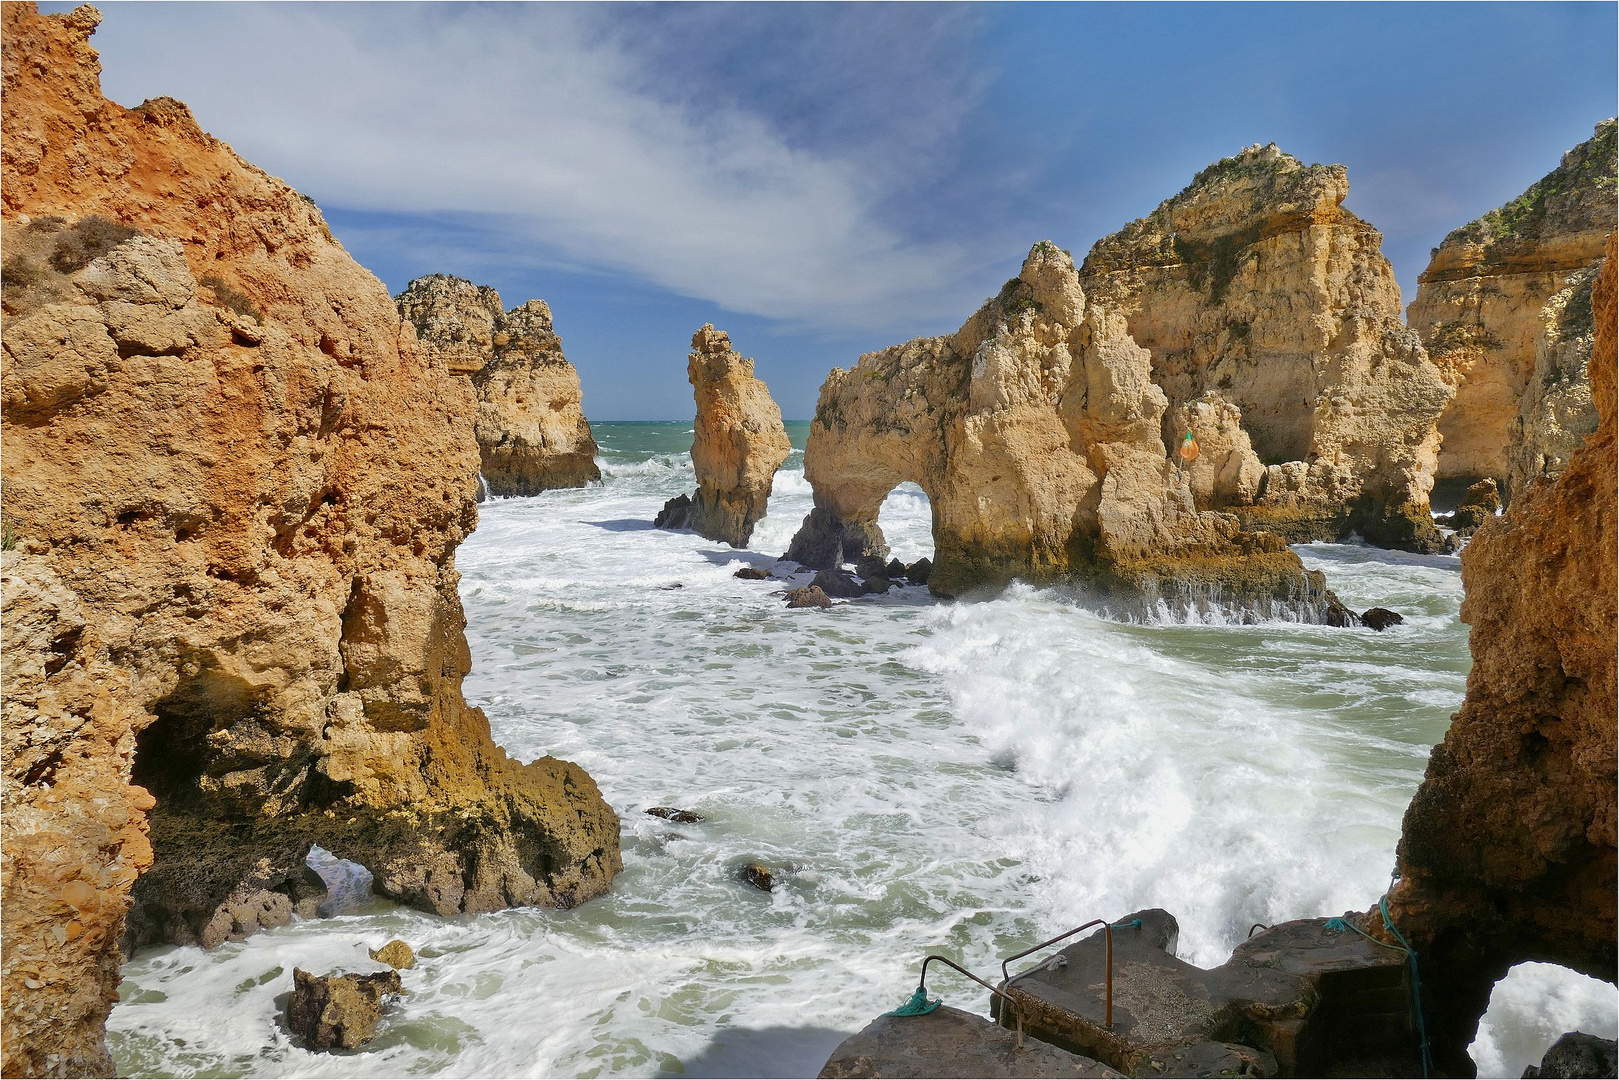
[[922, 985], [1007, 979]]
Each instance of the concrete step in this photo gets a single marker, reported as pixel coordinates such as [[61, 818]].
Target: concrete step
[[950, 1043]]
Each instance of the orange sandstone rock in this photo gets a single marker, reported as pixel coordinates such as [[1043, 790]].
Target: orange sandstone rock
[[233, 489], [1508, 848]]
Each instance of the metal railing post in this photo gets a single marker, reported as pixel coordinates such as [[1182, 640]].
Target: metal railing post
[[1007, 978], [1017, 1010]]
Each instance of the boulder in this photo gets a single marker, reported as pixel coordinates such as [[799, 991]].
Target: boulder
[[1479, 503], [838, 583], [396, 954], [1576, 1054], [676, 513], [1504, 309], [753, 573], [670, 813], [808, 597], [532, 433], [895, 570], [919, 571], [1381, 618], [870, 566], [739, 443], [338, 1012]]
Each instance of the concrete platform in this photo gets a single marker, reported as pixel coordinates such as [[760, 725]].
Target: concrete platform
[[1298, 999], [950, 1043]]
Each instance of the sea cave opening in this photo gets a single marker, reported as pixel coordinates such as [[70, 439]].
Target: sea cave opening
[[906, 520], [1531, 1007]]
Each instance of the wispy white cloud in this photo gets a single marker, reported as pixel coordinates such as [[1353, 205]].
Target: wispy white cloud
[[545, 118]]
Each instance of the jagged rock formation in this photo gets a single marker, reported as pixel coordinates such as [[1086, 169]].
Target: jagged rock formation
[[1505, 311], [1508, 852], [1256, 285], [532, 433], [233, 490], [330, 1012], [1036, 432], [738, 445]]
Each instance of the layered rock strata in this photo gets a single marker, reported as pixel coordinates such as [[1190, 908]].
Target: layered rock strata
[[1036, 432], [532, 432], [738, 444], [233, 489], [1255, 287], [1504, 309], [1508, 848]]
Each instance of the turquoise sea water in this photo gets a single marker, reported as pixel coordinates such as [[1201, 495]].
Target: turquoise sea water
[[924, 777]]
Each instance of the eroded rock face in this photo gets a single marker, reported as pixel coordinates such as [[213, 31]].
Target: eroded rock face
[[1505, 311], [339, 1012], [233, 488], [532, 432], [739, 444], [1255, 284], [1507, 852], [1036, 432]]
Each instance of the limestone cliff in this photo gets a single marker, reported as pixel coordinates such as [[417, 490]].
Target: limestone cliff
[[1505, 311], [739, 443], [532, 433], [1508, 852], [233, 489], [1255, 283], [1036, 431]]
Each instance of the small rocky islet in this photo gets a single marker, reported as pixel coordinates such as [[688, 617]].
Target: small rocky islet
[[236, 473]]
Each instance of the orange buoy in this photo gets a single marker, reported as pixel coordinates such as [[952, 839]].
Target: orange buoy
[[1189, 449]]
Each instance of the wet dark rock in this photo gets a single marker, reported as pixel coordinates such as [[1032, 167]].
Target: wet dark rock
[[807, 597], [895, 569], [670, 813], [338, 1011], [396, 954], [838, 583], [919, 571], [870, 566], [672, 585], [676, 513], [1338, 614], [753, 573], [1577, 1054], [1381, 618], [877, 585], [759, 876], [948, 1042], [1479, 503]]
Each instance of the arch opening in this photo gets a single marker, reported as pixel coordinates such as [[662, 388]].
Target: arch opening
[[1531, 1007]]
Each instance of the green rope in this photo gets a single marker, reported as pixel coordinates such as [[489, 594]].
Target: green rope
[[1416, 979], [919, 1005]]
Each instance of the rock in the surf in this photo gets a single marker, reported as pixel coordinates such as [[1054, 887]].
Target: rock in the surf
[[753, 573], [919, 571], [1381, 618], [895, 570], [1479, 503], [759, 876], [670, 813], [809, 596], [838, 583], [1576, 1054], [396, 954], [331, 1012]]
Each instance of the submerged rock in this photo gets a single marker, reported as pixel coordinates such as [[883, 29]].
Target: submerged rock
[[1576, 1054], [738, 445], [396, 954], [1504, 309], [809, 596], [759, 876], [1381, 618], [331, 1012], [532, 433], [1507, 852], [670, 813]]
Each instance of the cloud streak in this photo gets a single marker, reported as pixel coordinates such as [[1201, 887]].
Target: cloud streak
[[544, 119]]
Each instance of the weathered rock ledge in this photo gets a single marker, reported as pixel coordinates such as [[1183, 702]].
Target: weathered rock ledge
[[739, 443], [1258, 295], [1504, 309], [233, 490], [1036, 432], [1508, 849], [532, 432]]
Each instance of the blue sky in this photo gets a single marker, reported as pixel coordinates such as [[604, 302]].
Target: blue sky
[[822, 181]]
